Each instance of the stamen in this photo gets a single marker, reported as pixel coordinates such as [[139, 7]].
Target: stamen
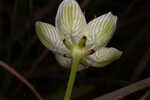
[[82, 42], [68, 55], [84, 62], [91, 51], [68, 44]]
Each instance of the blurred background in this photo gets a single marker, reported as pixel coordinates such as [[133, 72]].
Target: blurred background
[[22, 50]]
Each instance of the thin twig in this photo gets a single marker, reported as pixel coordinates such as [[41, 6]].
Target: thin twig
[[125, 91], [12, 71]]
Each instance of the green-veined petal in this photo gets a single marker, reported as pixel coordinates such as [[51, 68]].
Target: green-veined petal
[[101, 30], [49, 36], [70, 20], [103, 57]]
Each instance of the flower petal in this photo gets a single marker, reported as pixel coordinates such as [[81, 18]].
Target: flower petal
[[49, 36], [66, 62], [101, 29], [70, 20], [103, 57]]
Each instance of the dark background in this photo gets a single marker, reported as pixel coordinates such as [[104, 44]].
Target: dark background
[[22, 50]]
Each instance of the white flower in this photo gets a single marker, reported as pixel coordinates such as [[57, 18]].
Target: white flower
[[72, 30]]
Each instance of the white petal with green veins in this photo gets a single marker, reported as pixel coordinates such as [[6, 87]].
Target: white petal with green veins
[[101, 29], [49, 36], [104, 56], [70, 20]]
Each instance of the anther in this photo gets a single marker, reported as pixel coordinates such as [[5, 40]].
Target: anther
[[92, 51], [68, 44], [82, 42], [64, 40], [84, 37]]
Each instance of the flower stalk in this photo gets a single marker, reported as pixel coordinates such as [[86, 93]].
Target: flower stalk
[[74, 68]]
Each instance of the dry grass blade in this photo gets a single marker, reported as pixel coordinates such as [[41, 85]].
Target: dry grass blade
[[12, 71], [125, 91]]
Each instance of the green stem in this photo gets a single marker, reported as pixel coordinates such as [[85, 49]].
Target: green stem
[[75, 63]]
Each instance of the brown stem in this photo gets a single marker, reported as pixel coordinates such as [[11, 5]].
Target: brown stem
[[12, 71]]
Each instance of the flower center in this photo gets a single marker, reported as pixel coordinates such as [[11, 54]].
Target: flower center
[[79, 48]]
